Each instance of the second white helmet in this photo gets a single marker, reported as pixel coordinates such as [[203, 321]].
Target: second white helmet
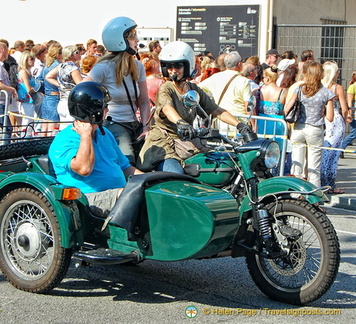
[[178, 52]]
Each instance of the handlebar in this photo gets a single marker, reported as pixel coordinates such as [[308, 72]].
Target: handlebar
[[214, 134]]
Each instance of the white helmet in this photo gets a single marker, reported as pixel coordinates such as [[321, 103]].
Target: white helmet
[[113, 35], [178, 52]]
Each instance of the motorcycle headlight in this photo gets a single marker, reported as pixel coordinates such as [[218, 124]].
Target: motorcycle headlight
[[270, 154], [261, 155]]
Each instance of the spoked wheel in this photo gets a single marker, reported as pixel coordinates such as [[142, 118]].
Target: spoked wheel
[[31, 256], [311, 263]]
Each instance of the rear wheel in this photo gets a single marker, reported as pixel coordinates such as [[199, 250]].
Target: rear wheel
[[311, 265], [31, 256]]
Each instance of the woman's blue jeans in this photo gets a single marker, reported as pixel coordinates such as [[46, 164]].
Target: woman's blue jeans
[[170, 165], [352, 135]]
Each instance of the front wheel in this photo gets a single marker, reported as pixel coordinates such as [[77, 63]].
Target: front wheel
[[311, 264], [31, 256]]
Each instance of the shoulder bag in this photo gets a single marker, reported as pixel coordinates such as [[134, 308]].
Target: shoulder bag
[[293, 115], [224, 90], [184, 149], [137, 126], [214, 121]]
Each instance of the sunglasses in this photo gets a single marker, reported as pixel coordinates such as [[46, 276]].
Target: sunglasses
[[177, 66], [42, 51], [132, 35]]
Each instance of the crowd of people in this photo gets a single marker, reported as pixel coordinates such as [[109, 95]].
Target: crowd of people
[[145, 96], [42, 76]]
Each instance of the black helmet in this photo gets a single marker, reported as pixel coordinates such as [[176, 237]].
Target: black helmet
[[87, 101]]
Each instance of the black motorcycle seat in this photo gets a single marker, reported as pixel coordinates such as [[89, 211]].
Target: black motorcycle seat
[[126, 210], [46, 164]]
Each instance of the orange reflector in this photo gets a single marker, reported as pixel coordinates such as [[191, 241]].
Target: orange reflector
[[71, 194]]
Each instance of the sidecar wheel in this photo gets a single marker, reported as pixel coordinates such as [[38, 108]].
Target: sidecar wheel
[[31, 256], [311, 266]]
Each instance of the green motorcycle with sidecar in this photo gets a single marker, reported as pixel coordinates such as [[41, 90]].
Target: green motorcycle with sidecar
[[226, 206]]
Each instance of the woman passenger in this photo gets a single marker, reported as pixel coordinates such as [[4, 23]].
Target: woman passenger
[[125, 78]]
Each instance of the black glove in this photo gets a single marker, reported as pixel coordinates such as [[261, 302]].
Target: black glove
[[185, 131], [244, 128]]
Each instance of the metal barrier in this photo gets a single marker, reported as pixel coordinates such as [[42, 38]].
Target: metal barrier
[[276, 129], [268, 127], [6, 122], [12, 133], [30, 130]]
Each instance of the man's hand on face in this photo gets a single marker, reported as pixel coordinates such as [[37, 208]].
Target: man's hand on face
[[82, 128]]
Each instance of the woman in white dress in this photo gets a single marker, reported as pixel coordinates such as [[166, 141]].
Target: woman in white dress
[[334, 130], [65, 76]]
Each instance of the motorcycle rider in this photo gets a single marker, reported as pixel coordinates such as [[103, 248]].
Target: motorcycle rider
[[85, 154], [172, 119]]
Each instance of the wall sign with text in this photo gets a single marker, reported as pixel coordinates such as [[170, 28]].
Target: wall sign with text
[[219, 29]]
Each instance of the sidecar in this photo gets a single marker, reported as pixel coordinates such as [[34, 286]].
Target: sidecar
[[159, 216]]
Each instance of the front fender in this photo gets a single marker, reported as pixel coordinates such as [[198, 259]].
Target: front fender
[[277, 185], [65, 211]]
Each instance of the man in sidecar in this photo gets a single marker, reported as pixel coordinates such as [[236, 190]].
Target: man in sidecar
[[85, 154]]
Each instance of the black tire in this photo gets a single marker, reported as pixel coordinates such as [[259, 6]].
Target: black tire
[[31, 256], [312, 264], [26, 148]]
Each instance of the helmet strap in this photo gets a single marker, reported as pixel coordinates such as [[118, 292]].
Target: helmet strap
[[181, 79], [174, 78], [102, 131], [131, 51]]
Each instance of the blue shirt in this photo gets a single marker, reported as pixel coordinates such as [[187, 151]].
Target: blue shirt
[[22, 92], [109, 165], [270, 108], [49, 87]]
